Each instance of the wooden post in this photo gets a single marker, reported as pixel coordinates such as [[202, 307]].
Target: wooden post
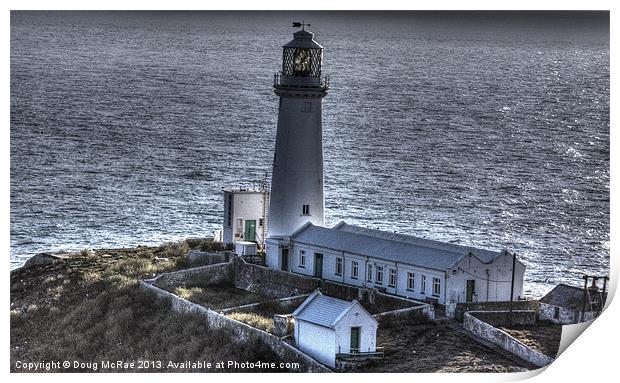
[[512, 285], [603, 295], [585, 292]]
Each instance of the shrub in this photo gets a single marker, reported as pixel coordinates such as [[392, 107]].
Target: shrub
[[253, 319], [210, 246], [399, 320]]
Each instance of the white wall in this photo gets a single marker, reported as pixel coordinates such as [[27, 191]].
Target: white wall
[[317, 341], [272, 256], [297, 177], [246, 205], [496, 281], [417, 292], [453, 283], [356, 317]]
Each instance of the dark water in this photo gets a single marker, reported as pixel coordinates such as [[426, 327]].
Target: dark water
[[489, 130]]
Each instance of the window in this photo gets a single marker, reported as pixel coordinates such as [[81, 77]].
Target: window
[[436, 286], [305, 210], [410, 281], [369, 278], [379, 275], [423, 284], [230, 207], [338, 266], [392, 280], [354, 269], [556, 312], [302, 258], [239, 228]]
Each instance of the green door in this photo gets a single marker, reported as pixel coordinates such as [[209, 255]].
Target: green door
[[284, 265], [355, 339], [318, 265], [469, 293], [250, 230]]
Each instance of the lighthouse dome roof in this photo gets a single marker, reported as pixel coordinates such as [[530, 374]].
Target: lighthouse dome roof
[[303, 39]]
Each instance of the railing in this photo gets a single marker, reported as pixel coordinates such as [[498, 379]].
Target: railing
[[356, 354], [283, 81]]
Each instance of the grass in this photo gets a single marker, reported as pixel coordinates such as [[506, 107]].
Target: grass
[[218, 297], [88, 308], [253, 319], [403, 320]]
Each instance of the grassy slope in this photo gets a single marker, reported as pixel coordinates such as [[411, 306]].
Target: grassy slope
[[87, 307]]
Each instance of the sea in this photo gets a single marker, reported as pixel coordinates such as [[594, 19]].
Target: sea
[[486, 129]]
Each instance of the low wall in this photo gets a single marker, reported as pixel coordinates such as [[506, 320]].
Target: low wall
[[203, 275], [282, 302], [504, 340], [271, 282], [205, 258], [426, 311], [563, 316], [285, 351], [461, 308], [505, 318]]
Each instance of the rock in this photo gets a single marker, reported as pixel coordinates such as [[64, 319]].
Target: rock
[[42, 259]]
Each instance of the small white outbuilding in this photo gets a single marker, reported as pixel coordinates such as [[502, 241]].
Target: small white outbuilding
[[327, 326]]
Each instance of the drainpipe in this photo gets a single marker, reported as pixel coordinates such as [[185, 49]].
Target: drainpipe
[[488, 277], [344, 266], [445, 289]]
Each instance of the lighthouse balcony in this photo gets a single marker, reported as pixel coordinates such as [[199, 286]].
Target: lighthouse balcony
[[281, 81]]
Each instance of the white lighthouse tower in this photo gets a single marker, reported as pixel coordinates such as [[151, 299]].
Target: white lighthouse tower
[[297, 178]]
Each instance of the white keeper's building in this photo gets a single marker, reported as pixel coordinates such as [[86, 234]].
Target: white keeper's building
[[398, 264]]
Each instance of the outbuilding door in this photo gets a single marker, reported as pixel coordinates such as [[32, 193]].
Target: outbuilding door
[[318, 265], [355, 339], [250, 230], [471, 287], [284, 265]]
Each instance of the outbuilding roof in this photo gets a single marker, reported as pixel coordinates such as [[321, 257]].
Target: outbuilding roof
[[571, 297], [323, 310], [389, 246]]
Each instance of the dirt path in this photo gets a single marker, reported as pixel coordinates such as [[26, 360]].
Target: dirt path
[[542, 338], [436, 347]]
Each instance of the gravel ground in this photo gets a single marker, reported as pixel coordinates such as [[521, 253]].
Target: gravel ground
[[542, 337], [435, 347]]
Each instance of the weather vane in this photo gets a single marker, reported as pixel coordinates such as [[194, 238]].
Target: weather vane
[[297, 24]]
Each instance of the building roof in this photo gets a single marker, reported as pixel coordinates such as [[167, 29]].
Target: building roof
[[244, 190], [389, 246], [323, 310], [303, 39], [486, 256], [571, 297]]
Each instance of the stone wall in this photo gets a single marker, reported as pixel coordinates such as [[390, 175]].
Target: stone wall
[[503, 318], [461, 308], [271, 282], [504, 340], [561, 315], [282, 302], [204, 275], [205, 258], [425, 311], [285, 351]]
